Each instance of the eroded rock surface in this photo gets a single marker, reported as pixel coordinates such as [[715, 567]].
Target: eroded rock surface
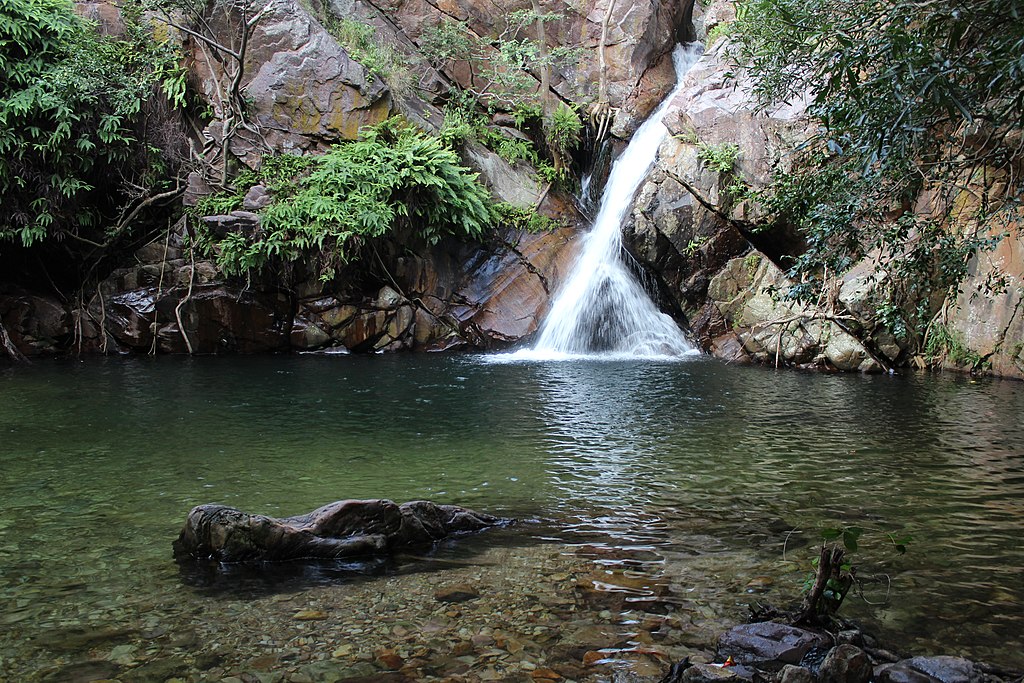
[[344, 529]]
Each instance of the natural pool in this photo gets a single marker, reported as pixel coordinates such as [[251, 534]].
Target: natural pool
[[667, 492]]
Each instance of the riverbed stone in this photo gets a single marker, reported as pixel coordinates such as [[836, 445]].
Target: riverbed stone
[[82, 672], [846, 664], [795, 674], [939, 669], [458, 593], [768, 641], [716, 673], [156, 670]]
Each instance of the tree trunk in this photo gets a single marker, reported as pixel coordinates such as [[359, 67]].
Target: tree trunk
[[8, 345], [829, 563]]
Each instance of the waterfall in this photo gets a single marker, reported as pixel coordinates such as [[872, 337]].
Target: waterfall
[[602, 309]]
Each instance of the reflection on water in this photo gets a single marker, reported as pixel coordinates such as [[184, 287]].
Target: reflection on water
[[649, 470]]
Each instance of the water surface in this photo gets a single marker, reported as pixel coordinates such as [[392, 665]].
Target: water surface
[[688, 477]]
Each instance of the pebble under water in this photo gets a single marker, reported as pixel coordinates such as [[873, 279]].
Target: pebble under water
[[660, 500]]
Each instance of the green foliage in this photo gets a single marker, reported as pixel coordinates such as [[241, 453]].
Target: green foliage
[[719, 158], [833, 573], [69, 100], [912, 96], [508, 73], [718, 31], [447, 42], [505, 64], [563, 129], [393, 177], [695, 245], [522, 218], [462, 121], [382, 60], [942, 343]]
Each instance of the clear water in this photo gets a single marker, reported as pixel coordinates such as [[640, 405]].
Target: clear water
[[602, 308], [692, 475]]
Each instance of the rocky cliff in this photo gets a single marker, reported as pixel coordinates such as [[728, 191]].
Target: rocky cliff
[[722, 268], [305, 83], [285, 77]]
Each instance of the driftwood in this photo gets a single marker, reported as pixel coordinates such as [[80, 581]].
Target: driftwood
[[344, 529]]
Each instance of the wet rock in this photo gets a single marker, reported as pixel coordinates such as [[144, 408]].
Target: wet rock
[[795, 674], [309, 615], [716, 673], [768, 641], [850, 636], [156, 670], [846, 664], [543, 674], [347, 528], [389, 659], [458, 593], [941, 669], [37, 325], [306, 336], [82, 672], [72, 638], [221, 319], [759, 584]]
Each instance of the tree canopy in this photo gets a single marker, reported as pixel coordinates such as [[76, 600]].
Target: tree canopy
[[911, 96]]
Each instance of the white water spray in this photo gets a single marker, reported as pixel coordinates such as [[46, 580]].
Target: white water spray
[[602, 309]]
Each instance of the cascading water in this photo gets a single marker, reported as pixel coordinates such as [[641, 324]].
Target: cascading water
[[602, 309]]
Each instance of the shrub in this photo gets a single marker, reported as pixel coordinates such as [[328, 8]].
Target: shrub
[[393, 177], [69, 99], [719, 158]]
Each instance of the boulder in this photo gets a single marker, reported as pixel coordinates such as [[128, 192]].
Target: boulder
[[343, 529], [768, 641]]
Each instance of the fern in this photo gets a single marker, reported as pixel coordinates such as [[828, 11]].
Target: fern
[[393, 176]]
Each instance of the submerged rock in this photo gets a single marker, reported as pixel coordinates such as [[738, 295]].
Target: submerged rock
[[343, 529], [941, 669]]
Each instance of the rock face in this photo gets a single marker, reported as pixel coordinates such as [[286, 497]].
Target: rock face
[[453, 294], [687, 227], [754, 322], [37, 325], [692, 231], [344, 529], [990, 324], [304, 91]]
